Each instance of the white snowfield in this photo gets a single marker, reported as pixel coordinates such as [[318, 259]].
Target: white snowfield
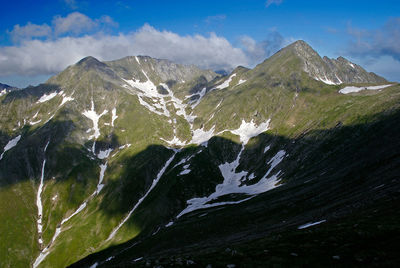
[[174, 141], [35, 115], [158, 103], [267, 149], [241, 81], [11, 144], [155, 181], [32, 123], [326, 80], [185, 170], [169, 224], [310, 224], [100, 184], [92, 115], [114, 116], [246, 131], [65, 98], [201, 94], [352, 89], [226, 83], [46, 97], [232, 183], [39, 199], [104, 154], [3, 92], [201, 136], [148, 95]]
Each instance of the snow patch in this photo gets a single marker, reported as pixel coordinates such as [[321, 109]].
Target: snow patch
[[3, 92], [169, 224], [80, 208], [100, 185], [232, 185], [35, 122], [185, 170], [226, 83], [157, 102], [266, 149], [246, 131], [104, 154], [200, 136], [92, 115], [66, 98], [11, 144], [94, 265], [174, 141], [310, 224], [146, 87], [352, 89], [113, 116], [201, 94], [241, 81], [36, 114], [39, 199], [40, 258], [325, 80], [46, 97]]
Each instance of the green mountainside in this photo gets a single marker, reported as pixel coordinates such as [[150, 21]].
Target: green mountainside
[[144, 162]]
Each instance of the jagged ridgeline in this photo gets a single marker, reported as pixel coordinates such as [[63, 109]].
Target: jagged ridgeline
[[143, 161]]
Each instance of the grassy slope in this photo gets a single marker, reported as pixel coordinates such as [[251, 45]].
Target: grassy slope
[[317, 107], [347, 176]]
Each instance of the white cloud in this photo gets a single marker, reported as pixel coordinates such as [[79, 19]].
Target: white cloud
[[29, 31], [275, 2], [258, 51], [38, 57], [74, 23], [377, 49], [384, 41]]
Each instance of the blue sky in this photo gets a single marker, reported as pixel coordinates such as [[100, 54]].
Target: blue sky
[[41, 38]]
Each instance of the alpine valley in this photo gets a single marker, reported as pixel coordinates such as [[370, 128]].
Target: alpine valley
[[144, 162]]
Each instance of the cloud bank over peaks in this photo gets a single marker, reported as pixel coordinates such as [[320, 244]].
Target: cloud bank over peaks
[[44, 50]]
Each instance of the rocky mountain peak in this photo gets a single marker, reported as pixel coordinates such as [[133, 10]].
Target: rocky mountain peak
[[331, 71]]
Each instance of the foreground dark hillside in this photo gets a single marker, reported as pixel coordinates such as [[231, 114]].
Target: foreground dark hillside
[[346, 177]]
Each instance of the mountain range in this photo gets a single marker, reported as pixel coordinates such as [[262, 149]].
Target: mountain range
[[145, 162]]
